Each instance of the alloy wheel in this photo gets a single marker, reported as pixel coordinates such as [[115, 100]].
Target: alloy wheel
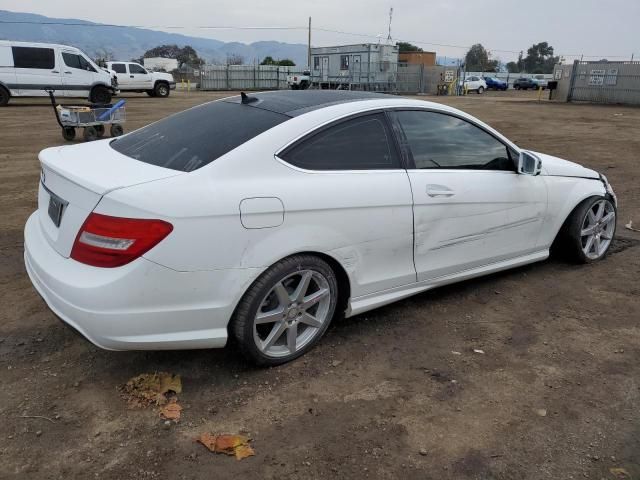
[[598, 227], [292, 314]]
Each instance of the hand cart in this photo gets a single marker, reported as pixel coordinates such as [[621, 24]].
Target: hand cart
[[92, 119]]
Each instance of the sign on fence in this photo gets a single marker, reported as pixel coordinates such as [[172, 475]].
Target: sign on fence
[[597, 77]]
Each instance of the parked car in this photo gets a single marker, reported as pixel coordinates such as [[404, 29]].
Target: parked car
[[133, 77], [524, 83], [495, 83], [541, 80], [299, 81], [474, 84], [27, 69], [260, 217]]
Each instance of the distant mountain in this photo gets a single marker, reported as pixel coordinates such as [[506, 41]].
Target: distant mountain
[[126, 43]]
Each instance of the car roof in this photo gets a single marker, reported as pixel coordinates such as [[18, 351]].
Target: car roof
[[293, 103], [9, 43]]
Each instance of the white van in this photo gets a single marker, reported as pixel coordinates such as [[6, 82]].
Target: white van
[[27, 69]]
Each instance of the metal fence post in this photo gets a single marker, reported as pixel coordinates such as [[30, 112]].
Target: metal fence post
[[573, 79]]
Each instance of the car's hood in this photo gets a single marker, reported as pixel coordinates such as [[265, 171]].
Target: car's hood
[[163, 76], [564, 168]]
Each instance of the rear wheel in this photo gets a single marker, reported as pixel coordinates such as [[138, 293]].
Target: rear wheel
[[116, 130], [161, 90], [100, 94], [587, 234], [4, 96], [286, 310]]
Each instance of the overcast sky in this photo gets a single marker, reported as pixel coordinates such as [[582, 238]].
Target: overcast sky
[[595, 28]]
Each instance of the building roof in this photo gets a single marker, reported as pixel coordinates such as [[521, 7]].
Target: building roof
[[297, 102]]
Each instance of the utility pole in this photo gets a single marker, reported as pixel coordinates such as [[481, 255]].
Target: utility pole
[[309, 46], [389, 40]]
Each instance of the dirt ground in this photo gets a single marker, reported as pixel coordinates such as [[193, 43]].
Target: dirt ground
[[555, 395]]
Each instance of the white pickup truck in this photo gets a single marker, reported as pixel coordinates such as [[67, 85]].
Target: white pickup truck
[[133, 77], [299, 82]]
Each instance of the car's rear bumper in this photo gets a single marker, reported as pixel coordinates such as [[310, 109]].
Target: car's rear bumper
[[139, 306]]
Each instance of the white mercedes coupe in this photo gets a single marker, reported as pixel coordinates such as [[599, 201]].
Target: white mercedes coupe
[[263, 216]]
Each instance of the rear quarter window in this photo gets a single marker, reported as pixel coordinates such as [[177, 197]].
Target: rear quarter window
[[33, 57], [196, 137]]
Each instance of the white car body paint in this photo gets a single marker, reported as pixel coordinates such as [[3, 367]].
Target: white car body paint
[[230, 227]]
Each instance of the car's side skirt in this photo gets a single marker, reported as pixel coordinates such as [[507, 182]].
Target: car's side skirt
[[365, 303]]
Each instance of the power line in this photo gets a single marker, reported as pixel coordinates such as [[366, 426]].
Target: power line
[[203, 27], [236, 27]]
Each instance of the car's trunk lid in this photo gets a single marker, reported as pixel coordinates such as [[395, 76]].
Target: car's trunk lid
[[74, 179]]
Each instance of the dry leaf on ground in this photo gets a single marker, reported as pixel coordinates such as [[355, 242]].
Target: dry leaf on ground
[[237, 445], [620, 473], [171, 411], [151, 389]]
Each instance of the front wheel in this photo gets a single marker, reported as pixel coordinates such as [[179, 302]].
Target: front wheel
[[100, 95], [68, 133], [480, 90], [161, 90], [4, 96], [588, 232], [286, 310]]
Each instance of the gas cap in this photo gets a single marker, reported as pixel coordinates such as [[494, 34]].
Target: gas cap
[[261, 212]]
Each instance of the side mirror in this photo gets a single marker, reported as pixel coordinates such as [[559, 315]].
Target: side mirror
[[529, 164]]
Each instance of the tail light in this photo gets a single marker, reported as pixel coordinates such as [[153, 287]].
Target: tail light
[[105, 241], [295, 79]]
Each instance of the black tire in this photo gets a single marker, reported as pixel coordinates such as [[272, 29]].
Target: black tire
[[100, 130], [100, 95], [68, 133], [116, 130], [516, 87], [570, 242], [4, 96], [480, 90], [90, 134], [244, 317], [151, 93], [161, 89], [304, 85]]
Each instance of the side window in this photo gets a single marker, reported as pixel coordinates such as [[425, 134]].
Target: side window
[[119, 67], [31, 57], [362, 143], [344, 62], [135, 68], [438, 140], [74, 60]]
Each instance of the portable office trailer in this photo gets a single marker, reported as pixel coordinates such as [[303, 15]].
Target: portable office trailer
[[364, 66]]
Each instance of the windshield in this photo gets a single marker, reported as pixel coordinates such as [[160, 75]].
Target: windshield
[[191, 139]]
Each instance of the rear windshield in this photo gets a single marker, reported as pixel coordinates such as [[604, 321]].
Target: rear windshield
[[196, 137]]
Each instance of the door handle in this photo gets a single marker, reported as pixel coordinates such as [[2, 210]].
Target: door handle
[[130, 76], [439, 191], [55, 71], [69, 73]]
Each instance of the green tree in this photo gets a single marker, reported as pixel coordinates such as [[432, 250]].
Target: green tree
[[268, 60], [540, 58], [185, 55], [478, 59], [512, 67], [408, 47]]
